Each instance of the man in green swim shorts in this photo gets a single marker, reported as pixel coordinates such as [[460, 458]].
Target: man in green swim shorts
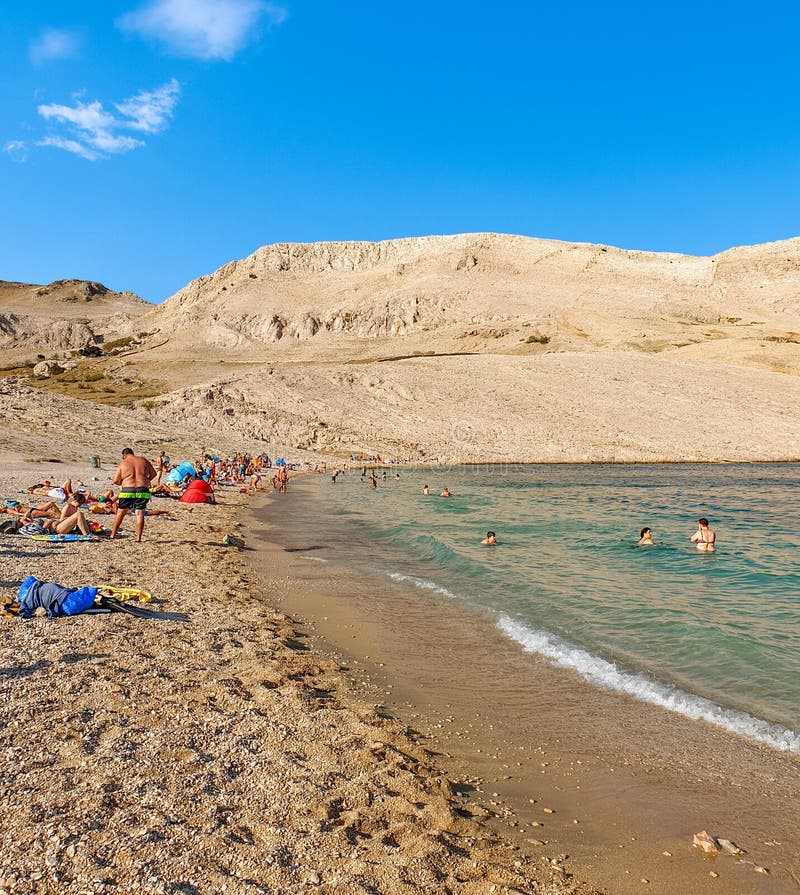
[[133, 476]]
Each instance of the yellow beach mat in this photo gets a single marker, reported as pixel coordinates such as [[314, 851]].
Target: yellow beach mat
[[124, 593]]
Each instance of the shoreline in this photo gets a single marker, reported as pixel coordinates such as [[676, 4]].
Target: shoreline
[[469, 464], [665, 751], [219, 753]]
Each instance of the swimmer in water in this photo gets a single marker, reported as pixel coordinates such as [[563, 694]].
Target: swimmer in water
[[490, 540], [426, 490], [445, 492], [646, 538], [704, 538]]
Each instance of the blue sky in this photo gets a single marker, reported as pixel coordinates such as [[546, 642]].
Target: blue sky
[[145, 143]]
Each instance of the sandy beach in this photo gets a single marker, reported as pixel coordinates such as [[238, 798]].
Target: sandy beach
[[216, 750], [280, 734]]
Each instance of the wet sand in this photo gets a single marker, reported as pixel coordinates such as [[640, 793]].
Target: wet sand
[[523, 737]]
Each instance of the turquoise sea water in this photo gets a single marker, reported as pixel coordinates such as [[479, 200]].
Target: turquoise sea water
[[715, 637]]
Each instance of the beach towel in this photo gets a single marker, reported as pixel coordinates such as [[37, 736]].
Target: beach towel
[[125, 593], [34, 527], [62, 538]]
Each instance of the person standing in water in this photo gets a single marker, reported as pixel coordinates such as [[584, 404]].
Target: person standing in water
[[426, 490], [646, 538], [704, 538], [490, 540]]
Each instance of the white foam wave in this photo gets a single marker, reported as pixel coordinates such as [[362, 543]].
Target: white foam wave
[[313, 558], [604, 674], [423, 583]]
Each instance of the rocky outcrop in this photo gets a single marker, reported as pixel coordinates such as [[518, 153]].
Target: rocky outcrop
[[57, 335], [66, 315], [268, 327]]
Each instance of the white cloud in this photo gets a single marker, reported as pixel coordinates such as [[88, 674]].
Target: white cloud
[[149, 111], [53, 45], [17, 149], [70, 146], [94, 133], [203, 29], [90, 118]]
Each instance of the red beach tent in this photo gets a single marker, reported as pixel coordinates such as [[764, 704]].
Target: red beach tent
[[198, 492]]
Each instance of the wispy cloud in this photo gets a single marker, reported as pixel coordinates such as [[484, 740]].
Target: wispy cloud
[[54, 45], [149, 111], [203, 29], [94, 133], [17, 149], [70, 146]]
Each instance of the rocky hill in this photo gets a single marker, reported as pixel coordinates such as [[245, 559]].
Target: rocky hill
[[480, 346], [65, 315]]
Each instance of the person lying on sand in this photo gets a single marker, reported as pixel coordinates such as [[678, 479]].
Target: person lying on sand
[[106, 503], [704, 538], [49, 510], [71, 517], [46, 489], [490, 540], [167, 490], [646, 538]]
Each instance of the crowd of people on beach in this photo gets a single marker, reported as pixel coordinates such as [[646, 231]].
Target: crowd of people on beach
[[137, 480]]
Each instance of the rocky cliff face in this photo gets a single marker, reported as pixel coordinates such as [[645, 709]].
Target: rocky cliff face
[[66, 315], [451, 285]]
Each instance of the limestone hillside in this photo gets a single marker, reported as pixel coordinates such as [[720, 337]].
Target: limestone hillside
[[63, 316], [478, 347]]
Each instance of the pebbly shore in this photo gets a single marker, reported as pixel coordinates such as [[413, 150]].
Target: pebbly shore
[[211, 749]]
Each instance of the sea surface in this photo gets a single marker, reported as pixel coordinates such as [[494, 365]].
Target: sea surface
[[715, 637]]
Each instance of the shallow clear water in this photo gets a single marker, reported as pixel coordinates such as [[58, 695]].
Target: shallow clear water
[[715, 636]]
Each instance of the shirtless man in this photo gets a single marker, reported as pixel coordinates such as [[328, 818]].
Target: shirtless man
[[490, 540], [133, 476], [446, 492], [704, 538], [283, 480]]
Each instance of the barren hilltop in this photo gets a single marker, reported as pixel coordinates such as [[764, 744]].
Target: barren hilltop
[[465, 348]]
